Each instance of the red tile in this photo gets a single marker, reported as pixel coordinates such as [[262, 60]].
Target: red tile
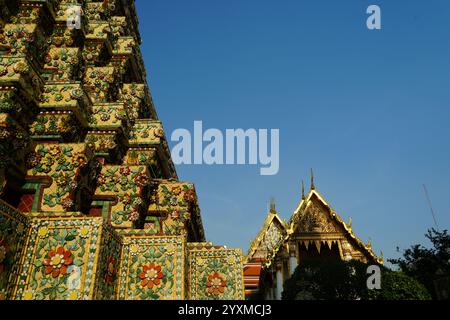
[[26, 202], [95, 212]]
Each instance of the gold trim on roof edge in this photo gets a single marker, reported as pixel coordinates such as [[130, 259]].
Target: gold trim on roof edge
[[254, 245], [334, 215], [289, 228]]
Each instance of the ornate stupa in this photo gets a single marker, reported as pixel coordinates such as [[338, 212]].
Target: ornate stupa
[[91, 206]]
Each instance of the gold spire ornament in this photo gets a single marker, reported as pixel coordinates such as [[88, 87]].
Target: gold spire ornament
[[313, 187], [369, 244], [303, 191], [272, 206]]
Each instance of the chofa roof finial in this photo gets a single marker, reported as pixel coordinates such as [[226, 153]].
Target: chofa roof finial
[[272, 205], [313, 187], [303, 191]]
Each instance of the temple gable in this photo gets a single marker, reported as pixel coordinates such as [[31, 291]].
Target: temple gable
[[314, 231]]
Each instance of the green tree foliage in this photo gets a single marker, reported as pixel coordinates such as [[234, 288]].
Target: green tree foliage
[[396, 285], [427, 264], [334, 279]]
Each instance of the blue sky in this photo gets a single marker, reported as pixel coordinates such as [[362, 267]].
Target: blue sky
[[368, 110]]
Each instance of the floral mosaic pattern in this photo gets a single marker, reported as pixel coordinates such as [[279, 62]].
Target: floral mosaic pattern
[[97, 11], [118, 26], [133, 94], [146, 132], [26, 15], [151, 275], [13, 139], [61, 63], [216, 283], [23, 39], [18, 38], [8, 101], [141, 156], [65, 97], [61, 260], [13, 230], [152, 268], [61, 37], [97, 82], [91, 52], [51, 97], [126, 183], [57, 261], [124, 46], [101, 142], [215, 274], [98, 30], [61, 162], [58, 125], [177, 200], [109, 264], [176, 195], [108, 116], [13, 69]]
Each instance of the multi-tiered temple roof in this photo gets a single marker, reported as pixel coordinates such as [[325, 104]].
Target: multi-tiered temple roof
[[315, 229]]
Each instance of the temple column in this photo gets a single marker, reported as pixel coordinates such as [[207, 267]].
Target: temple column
[[292, 264], [293, 261], [269, 294], [273, 293], [279, 283]]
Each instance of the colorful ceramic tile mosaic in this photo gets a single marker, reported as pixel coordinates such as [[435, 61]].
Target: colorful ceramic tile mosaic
[[90, 202], [215, 274], [152, 268], [60, 259], [13, 234]]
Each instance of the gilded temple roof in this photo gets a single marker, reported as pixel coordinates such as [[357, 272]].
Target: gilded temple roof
[[269, 239], [299, 222], [313, 221]]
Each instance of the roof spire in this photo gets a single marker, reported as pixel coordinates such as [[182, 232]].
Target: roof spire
[[272, 205], [303, 191], [369, 244], [313, 187]]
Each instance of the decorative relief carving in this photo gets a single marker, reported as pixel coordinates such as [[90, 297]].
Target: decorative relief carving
[[80, 137], [273, 238], [315, 220]]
